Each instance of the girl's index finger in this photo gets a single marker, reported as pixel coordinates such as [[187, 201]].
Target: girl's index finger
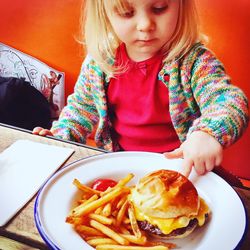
[[187, 167]]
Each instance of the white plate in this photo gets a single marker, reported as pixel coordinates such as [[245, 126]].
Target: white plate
[[55, 199]]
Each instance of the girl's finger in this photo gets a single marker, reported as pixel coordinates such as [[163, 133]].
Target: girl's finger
[[210, 165], [177, 153], [37, 130], [187, 167], [200, 167], [218, 160], [44, 132]]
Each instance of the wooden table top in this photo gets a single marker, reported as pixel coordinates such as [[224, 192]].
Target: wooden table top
[[21, 232]]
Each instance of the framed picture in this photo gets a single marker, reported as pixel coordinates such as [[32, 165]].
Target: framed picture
[[49, 81]]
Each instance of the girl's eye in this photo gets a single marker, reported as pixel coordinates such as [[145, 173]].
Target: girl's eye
[[127, 14], [159, 10]]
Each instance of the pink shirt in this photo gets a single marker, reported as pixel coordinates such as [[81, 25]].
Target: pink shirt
[[139, 106]]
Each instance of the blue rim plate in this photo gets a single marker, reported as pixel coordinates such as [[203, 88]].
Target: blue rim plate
[[225, 229]]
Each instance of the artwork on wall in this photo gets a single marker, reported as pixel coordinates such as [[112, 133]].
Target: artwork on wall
[[49, 81]]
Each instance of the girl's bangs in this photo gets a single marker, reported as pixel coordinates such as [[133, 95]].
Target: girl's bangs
[[120, 6]]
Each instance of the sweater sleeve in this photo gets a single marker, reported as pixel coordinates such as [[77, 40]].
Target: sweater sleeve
[[223, 106], [79, 117]]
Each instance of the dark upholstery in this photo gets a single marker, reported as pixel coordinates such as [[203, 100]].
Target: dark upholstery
[[22, 105]]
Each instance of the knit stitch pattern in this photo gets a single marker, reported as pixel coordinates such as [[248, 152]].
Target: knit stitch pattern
[[201, 97]]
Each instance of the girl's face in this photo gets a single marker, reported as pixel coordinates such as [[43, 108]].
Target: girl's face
[[145, 26]]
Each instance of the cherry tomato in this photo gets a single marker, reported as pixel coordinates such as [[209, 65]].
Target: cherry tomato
[[103, 184]]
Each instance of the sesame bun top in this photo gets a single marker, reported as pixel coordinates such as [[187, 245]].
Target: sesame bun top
[[165, 194]]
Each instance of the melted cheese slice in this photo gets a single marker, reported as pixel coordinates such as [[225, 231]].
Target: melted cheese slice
[[168, 225]]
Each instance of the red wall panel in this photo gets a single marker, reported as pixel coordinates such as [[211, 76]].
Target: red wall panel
[[48, 30], [227, 25]]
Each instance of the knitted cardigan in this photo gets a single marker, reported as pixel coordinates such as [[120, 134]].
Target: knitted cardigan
[[201, 97]]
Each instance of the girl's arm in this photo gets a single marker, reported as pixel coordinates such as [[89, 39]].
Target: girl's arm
[[79, 116], [223, 106], [224, 116]]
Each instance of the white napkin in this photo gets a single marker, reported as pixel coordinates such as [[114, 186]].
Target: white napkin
[[24, 167]]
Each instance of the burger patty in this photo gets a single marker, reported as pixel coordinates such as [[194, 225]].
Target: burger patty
[[146, 226]]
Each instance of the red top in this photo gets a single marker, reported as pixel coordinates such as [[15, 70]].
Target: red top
[[138, 106]]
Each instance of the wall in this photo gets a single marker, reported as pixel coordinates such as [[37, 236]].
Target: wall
[[47, 30], [227, 24]]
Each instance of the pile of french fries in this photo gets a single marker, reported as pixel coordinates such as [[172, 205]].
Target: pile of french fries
[[106, 220]]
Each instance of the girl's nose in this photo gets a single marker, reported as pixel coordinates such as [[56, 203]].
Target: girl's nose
[[145, 23]]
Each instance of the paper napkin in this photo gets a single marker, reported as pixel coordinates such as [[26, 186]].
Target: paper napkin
[[24, 167]]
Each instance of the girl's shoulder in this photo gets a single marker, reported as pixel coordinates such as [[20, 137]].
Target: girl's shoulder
[[198, 54], [90, 63], [90, 66]]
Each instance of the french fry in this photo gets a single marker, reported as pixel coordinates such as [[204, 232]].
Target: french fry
[[109, 232], [88, 230], [81, 201], [121, 201], [86, 196], [100, 218], [134, 239], [93, 237], [114, 213], [107, 190], [121, 213], [124, 230], [98, 210], [85, 209], [133, 221], [115, 247], [101, 241], [125, 180], [74, 220], [85, 188], [113, 219], [91, 199], [121, 183], [126, 220], [106, 211]]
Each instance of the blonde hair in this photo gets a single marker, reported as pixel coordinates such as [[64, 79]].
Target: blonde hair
[[101, 41]]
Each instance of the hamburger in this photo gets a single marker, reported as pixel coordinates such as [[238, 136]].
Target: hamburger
[[167, 205]]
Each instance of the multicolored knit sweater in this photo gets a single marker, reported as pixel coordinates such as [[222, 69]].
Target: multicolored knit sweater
[[201, 97]]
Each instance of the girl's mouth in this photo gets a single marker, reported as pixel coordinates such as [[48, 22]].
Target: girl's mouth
[[146, 41]]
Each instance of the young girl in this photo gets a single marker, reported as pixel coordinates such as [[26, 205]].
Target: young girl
[[148, 84]]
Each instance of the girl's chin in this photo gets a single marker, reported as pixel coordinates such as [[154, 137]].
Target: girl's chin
[[142, 53]]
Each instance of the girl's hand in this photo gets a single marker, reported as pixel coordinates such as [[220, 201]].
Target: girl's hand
[[41, 131], [201, 151]]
